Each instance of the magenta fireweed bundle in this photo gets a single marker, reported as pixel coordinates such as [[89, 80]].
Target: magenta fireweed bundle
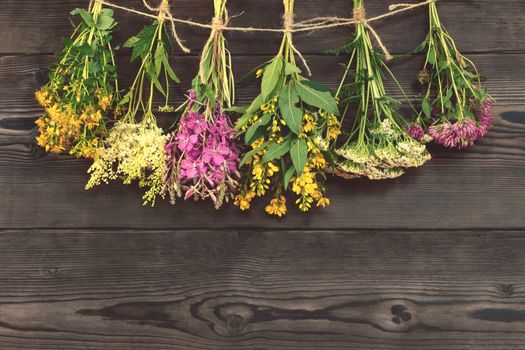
[[456, 110], [285, 144], [202, 154]]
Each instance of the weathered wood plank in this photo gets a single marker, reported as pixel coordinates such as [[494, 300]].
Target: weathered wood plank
[[22, 75], [480, 188], [262, 290], [32, 26]]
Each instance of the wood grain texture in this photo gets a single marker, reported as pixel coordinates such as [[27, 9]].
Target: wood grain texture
[[233, 290], [433, 260]]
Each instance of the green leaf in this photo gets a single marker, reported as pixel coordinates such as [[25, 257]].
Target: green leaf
[[289, 69], [250, 154], [105, 22], [236, 109], [299, 154], [271, 76], [170, 71], [251, 134], [254, 106], [431, 56], [131, 42], [288, 176], [293, 115], [276, 150], [86, 16], [160, 54], [125, 99], [425, 106], [152, 74], [312, 95]]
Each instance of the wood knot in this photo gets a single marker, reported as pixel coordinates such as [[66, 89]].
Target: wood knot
[[235, 324], [42, 75], [506, 289], [400, 313]]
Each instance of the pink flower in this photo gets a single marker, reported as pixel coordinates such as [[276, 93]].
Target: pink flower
[[416, 131]]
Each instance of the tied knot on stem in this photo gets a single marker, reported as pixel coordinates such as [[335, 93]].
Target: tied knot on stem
[[219, 23], [164, 11], [360, 14], [288, 22], [360, 18]]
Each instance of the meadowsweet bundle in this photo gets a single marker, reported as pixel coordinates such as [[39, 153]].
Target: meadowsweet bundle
[[202, 153], [378, 147], [133, 149], [456, 110], [288, 128], [79, 99]]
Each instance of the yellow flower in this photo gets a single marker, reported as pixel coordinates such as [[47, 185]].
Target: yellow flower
[[318, 161], [258, 143], [333, 133], [259, 73], [258, 171], [272, 169], [43, 98], [105, 102], [308, 124], [323, 202], [244, 201], [277, 207]]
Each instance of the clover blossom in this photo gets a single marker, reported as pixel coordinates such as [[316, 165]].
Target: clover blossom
[[456, 109]]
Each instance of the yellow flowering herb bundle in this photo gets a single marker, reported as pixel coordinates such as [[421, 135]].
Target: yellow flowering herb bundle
[[80, 96], [288, 129], [203, 156], [378, 146], [134, 150]]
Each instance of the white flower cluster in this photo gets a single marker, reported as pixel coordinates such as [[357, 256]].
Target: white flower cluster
[[387, 155], [132, 152]]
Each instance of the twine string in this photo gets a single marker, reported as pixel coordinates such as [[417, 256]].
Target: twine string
[[164, 11], [289, 24], [360, 17], [318, 23], [288, 29]]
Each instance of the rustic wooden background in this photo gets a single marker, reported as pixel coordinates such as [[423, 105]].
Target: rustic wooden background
[[433, 260]]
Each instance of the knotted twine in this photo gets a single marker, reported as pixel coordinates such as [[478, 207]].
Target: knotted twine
[[164, 11], [360, 17], [288, 29], [289, 26]]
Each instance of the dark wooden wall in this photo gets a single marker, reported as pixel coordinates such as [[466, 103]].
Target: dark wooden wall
[[433, 260]]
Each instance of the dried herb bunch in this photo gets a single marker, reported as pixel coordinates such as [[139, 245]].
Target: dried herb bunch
[[288, 128], [378, 147], [456, 110], [202, 153], [79, 98], [134, 149]]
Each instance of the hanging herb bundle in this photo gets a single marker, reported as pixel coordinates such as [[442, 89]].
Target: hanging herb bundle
[[378, 147], [134, 150], [202, 153], [288, 128], [455, 108], [79, 99]]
